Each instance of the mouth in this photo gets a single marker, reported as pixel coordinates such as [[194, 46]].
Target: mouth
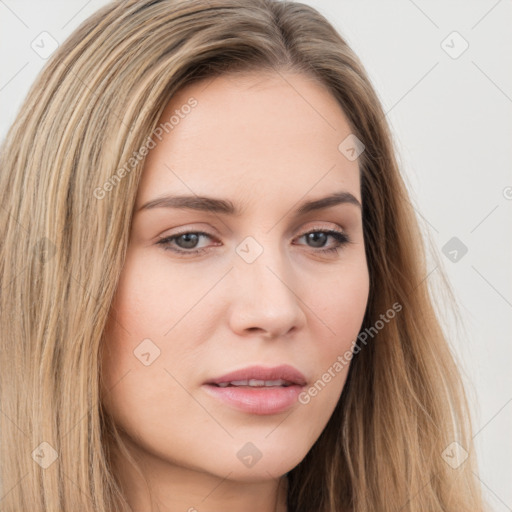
[[259, 376], [257, 389], [255, 383]]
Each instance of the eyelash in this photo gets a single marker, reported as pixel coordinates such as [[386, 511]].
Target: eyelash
[[341, 240]]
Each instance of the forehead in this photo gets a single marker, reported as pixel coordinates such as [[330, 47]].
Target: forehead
[[248, 135]]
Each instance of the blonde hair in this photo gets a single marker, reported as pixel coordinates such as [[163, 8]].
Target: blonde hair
[[64, 238]]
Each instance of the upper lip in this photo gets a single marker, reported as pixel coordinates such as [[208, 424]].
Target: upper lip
[[284, 372]]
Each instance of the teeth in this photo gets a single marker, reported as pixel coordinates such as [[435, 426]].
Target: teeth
[[255, 383], [278, 382]]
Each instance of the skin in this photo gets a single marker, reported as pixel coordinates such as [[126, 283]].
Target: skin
[[265, 141]]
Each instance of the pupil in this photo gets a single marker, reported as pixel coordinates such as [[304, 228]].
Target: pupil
[[190, 240], [313, 237]]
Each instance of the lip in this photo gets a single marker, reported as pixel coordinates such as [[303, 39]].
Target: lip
[[259, 400], [284, 371]]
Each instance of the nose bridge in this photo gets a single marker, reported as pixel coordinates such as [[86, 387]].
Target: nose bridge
[[262, 262], [264, 296]]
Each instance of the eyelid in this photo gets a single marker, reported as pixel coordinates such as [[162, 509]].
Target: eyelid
[[318, 227]]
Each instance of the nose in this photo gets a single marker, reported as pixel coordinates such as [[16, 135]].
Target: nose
[[265, 297]]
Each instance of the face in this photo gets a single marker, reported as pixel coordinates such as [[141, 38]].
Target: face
[[260, 279]]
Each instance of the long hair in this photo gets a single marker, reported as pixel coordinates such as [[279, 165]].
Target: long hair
[[69, 172]]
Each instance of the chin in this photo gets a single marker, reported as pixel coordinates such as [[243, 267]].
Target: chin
[[255, 462]]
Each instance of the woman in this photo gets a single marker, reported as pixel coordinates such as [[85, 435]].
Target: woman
[[213, 283]]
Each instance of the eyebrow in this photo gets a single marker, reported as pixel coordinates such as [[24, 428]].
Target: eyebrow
[[226, 207]]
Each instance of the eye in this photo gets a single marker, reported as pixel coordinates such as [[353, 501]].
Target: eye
[[185, 243], [319, 237]]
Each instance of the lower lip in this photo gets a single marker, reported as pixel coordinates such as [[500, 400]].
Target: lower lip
[[257, 400]]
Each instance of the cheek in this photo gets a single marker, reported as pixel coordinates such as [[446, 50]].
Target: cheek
[[339, 315], [154, 297], [141, 303], [131, 320], [342, 304], [149, 302]]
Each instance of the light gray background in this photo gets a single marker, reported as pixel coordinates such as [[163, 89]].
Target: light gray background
[[453, 126]]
